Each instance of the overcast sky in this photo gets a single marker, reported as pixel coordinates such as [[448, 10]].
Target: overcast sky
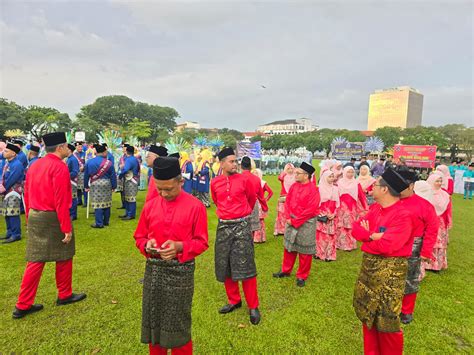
[[208, 60]]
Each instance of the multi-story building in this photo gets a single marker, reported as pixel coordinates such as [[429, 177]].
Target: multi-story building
[[293, 126], [395, 107]]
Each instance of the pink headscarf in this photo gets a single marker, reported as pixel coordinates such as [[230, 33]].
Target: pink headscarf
[[365, 180], [444, 170], [259, 173], [289, 179], [328, 192], [348, 186], [440, 197], [327, 166]]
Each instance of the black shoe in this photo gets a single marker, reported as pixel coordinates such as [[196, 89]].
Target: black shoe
[[4, 237], [96, 226], [75, 297], [19, 313], [254, 316], [74, 219], [11, 240], [281, 274], [120, 208], [106, 224], [328, 260], [127, 218], [406, 318], [315, 257], [124, 216], [230, 308], [300, 282]]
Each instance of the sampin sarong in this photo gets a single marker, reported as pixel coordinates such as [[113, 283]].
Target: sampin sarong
[[378, 292], [168, 289], [234, 254]]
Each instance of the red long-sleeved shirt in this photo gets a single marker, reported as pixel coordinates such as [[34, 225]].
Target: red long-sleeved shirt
[[234, 196], [302, 203], [257, 186], [268, 190], [48, 188], [184, 220], [425, 222], [396, 224]]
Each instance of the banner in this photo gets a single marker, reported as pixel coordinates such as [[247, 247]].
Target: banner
[[252, 150], [346, 151], [416, 156], [80, 136]]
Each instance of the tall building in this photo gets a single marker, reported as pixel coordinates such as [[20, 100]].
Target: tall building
[[294, 126], [396, 107]]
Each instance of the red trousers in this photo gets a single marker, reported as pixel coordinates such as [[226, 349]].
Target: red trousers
[[289, 259], [250, 291], [381, 343], [32, 277], [186, 349], [408, 303]]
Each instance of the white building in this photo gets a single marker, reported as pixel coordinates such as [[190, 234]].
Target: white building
[[294, 126]]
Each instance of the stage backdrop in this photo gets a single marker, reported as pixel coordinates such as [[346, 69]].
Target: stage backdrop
[[346, 151]]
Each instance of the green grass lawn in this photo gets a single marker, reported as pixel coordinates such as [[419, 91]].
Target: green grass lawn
[[315, 319]]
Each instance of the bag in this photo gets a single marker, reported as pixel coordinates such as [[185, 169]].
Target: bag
[[322, 219]]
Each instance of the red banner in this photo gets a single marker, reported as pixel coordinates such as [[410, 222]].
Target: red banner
[[417, 156]]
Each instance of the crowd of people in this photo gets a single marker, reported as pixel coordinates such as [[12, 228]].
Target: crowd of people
[[402, 222]]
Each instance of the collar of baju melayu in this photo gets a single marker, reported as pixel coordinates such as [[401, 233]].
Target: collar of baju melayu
[[176, 199]]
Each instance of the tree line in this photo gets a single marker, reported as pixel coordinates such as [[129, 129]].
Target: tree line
[[154, 123]]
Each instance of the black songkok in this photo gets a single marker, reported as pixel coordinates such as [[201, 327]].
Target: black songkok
[[52, 139], [99, 148], [13, 147], [307, 167], [394, 180], [19, 142], [34, 148], [70, 146], [158, 150], [409, 176], [246, 162], [174, 155], [225, 152], [166, 168], [130, 149]]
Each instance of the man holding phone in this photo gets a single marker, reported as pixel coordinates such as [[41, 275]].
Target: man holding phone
[[171, 232]]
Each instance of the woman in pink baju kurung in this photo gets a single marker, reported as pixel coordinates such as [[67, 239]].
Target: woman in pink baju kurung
[[287, 178], [326, 231], [353, 204], [441, 202], [259, 236], [367, 182]]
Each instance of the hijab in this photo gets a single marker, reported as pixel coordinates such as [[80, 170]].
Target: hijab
[[348, 186], [327, 191], [365, 180], [440, 197]]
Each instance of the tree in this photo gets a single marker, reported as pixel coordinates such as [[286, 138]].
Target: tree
[[389, 135], [116, 109], [138, 128], [453, 133], [12, 116], [42, 120], [238, 136], [424, 136]]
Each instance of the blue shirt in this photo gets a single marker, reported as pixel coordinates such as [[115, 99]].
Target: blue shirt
[[131, 164], [110, 157], [73, 166], [32, 161], [23, 159], [14, 173], [92, 167]]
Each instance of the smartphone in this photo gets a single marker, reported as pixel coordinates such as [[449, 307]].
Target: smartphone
[[154, 250]]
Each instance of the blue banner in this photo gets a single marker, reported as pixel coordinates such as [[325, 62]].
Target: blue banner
[[252, 150]]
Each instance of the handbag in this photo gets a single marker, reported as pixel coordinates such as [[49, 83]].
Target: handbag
[[322, 219]]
